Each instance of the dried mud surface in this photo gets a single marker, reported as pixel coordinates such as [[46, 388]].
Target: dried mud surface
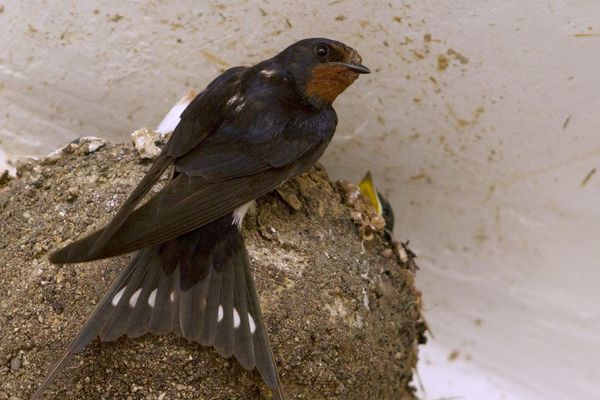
[[342, 314]]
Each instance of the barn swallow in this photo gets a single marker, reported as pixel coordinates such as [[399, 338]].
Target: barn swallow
[[383, 207], [249, 131], [380, 203]]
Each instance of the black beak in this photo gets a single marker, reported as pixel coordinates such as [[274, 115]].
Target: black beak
[[358, 68]]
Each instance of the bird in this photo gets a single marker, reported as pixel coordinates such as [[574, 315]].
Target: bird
[[383, 208], [377, 200], [251, 129]]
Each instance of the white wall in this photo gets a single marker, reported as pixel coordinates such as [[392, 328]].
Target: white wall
[[484, 161]]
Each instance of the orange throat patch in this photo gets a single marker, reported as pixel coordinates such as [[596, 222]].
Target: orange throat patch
[[328, 81]]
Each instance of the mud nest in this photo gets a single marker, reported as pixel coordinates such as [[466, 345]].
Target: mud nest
[[342, 312]]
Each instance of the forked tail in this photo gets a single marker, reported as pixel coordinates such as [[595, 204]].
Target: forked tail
[[198, 285]]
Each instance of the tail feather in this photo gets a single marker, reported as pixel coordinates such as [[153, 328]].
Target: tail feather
[[138, 322], [244, 348], [224, 332], [124, 301], [163, 318], [199, 287], [265, 361], [192, 309], [213, 301]]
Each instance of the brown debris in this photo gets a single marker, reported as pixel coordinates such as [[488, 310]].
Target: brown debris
[[442, 62], [457, 56]]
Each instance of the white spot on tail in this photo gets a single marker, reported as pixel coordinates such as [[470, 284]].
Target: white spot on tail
[[220, 313], [134, 298], [152, 298], [240, 212], [117, 297], [172, 297], [252, 324], [236, 319]]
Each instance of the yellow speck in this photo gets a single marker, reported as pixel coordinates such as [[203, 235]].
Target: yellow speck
[[458, 56], [491, 191], [442, 62], [214, 58], [462, 123], [453, 355], [591, 34], [115, 18], [588, 177], [481, 237], [421, 177], [418, 55]]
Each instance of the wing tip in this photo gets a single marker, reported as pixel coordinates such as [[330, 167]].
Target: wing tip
[[66, 255], [72, 253], [57, 257], [89, 248]]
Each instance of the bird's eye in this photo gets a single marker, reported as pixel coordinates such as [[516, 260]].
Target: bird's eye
[[321, 51]]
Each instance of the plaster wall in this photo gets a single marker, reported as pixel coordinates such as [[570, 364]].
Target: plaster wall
[[480, 122]]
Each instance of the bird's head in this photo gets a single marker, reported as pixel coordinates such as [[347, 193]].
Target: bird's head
[[322, 68]]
